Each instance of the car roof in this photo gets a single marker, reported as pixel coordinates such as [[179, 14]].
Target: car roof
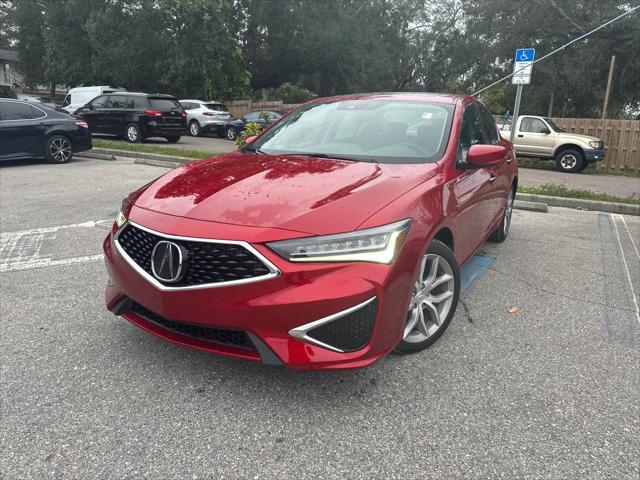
[[141, 94], [427, 97]]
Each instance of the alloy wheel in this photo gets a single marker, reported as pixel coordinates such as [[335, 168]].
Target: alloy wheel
[[60, 149], [194, 129], [132, 133], [568, 161], [231, 134], [432, 299]]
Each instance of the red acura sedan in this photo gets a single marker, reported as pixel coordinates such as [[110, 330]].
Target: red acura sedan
[[333, 238]]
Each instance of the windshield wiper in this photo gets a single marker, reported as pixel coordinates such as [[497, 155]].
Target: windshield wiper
[[326, 155], [251, 149]]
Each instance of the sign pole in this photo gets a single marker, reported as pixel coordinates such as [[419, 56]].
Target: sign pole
[[606, 97], [516, 110]]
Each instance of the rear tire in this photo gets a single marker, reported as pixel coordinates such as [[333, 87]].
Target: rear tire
[[173, 139], [132, 133], [434, 299], [569, 161], [500, 233], [58, 149], [231, 134], [194, 128]]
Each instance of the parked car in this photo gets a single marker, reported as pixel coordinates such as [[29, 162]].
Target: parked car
[[540, 137], [206, 117], [79, 96], [37, 99], [264, 118], [333, 238], [135, 116], [33, 130]]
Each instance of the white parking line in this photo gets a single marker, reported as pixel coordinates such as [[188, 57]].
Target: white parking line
[[626, 267], [22, 250], [630, 236]]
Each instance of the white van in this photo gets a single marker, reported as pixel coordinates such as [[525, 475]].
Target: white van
[[80, 96]]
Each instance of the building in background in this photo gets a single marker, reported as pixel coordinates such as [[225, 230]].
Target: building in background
[[8, 72]]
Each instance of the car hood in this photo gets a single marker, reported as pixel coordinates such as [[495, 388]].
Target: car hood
[[305, 194]]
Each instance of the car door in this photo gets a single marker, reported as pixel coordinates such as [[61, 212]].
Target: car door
[[92, 112], [22, 130], [534, 138], [473, 189], [115, 114]]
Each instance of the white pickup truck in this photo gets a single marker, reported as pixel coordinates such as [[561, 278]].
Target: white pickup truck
[[540, 137]]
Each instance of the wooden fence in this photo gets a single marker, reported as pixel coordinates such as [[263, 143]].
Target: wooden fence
[[622, 140], [241, 107]]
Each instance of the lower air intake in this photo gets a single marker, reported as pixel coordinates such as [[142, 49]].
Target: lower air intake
[[350, 332]]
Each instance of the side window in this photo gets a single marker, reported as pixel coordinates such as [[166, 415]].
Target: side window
[[99, 102], [116, 101], [273, 117], [140, 103], [17, 111], [489, 125], [532, 125], [470, 133], [252, 117]]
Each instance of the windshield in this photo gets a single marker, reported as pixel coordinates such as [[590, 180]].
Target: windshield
[[385, 131], [553, 125]]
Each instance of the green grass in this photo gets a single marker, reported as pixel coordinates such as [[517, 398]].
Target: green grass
[[554, 190], [143, 148], [590, 170]]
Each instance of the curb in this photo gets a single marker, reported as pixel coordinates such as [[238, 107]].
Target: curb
[[95, 155], [530, 206], [148, 156], [157, 163], [579, 203]]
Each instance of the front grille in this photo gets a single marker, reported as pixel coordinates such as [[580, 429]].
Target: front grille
[[205, 262], [349, 333], [234, 338]]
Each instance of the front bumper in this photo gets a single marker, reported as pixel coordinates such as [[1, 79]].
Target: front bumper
[[594, 155], [272, 312]]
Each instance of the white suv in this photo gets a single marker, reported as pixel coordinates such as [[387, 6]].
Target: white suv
[[205, 117]]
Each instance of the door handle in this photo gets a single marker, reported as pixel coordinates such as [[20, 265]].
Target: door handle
[[520, 135], [492, 177]]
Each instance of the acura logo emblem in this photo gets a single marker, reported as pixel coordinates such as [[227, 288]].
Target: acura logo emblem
[[168, 261]]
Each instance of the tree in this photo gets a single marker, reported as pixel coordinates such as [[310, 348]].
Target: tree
[[29, 16], [7, 24]]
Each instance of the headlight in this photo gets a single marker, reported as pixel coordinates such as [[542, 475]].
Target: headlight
[[596, 144], [377, 245], [121, 218]]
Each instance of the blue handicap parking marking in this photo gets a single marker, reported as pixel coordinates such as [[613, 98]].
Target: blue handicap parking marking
[[525, 54], [472, 271]]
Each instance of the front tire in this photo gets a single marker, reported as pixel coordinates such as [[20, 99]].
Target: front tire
[[58, 149], [194, 128], [173, 139], [434, 299], [569, 161], [500, 233]]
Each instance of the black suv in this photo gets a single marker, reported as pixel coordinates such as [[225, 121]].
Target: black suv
[[135, 116]]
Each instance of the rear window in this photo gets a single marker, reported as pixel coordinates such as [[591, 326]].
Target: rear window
[[218, 107], [164, 104]]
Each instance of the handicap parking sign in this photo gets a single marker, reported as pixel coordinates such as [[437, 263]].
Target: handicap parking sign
[[525, 54]]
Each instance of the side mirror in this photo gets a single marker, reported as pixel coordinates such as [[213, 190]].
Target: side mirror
[[486, 155], [250, 139], [545, 130]]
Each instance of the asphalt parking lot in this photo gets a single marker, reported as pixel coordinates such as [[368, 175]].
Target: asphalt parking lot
[[550, 391]]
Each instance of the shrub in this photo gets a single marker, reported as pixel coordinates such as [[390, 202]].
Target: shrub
[[250, 129], [6, 92]]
